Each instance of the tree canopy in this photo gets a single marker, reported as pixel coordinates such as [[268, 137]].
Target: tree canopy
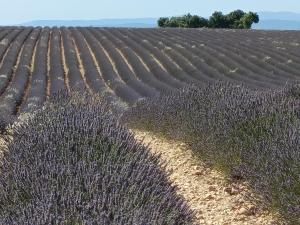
[[237, 19]]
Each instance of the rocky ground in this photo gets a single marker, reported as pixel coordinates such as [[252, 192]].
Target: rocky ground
[[2, 146], [2, 143], [214, 200]]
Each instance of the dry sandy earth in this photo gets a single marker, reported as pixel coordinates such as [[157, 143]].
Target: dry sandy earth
[[2, 143], [2, 146], [214, 200]]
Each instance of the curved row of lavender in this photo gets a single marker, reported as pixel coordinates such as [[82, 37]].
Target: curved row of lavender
[[130, 64], [73, 164], [252, 135]]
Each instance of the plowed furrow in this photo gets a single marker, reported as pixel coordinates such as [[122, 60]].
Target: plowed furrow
[[141, 72], [48, 66], [181, 60], [73, 73], [238, 70], [13, 95], [123, 68], [92, 75], [256, 57], [6, 42], [172, 68], [267, 55], [198, 43], [65, 68], [36, 94], [94, 58], [194, 59], [126, 65], [149, 61], [11, 60]]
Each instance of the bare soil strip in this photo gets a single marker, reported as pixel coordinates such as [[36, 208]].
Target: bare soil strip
[[81, 66], [2, 145], [48, 66], [31, 67], [214, 200], [64, 63]]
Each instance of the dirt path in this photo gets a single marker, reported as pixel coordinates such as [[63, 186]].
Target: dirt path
[[2, 146], [207, 192], [2, 143]]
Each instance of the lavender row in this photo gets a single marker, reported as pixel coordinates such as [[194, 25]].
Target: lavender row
[[73, 164], [12, 98], [251, 135], [37, 90]]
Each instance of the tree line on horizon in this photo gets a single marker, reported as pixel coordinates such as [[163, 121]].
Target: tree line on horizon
[[237, 19]]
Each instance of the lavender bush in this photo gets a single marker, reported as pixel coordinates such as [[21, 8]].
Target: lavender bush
[[5, 120], [2, 124], [71, 163], [250, 134]]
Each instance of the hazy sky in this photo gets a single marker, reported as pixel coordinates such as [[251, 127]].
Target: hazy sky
[[19, 11]]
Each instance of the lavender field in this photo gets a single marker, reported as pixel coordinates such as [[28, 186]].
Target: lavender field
[[130, 64], [232, 96]]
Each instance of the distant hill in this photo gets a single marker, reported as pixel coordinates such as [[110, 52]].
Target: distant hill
[[268, 20], [138, 22], [277, 25], [287, 16], [278, 21]]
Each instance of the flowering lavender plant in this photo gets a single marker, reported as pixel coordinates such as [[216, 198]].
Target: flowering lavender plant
[[250, 134], [71, 163]]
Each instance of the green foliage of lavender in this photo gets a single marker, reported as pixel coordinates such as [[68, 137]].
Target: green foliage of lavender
[[2, 124], [252, 135], [71, 163], [5, 121]]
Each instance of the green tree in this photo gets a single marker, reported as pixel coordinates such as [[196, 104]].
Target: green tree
[[186, 20], [218, 20], [248, 19], [162, 21], [203, 22], [234, 18], [174, 22], [195, 21], [237, 19]]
